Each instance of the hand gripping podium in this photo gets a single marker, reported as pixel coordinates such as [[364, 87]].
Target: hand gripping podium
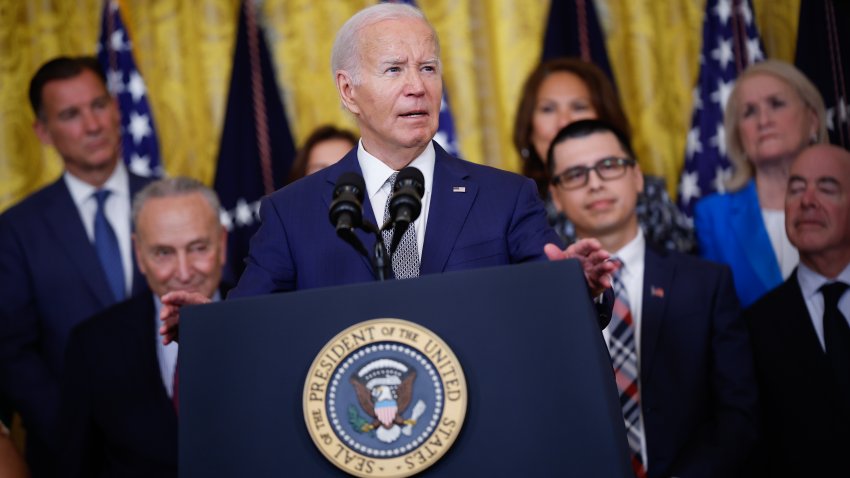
[[540, 393]]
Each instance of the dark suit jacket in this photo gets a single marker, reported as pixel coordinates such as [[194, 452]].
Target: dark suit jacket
[[479, 216], [730, 230], [116, 418], [806, 428], [697, 387], [52, 280]]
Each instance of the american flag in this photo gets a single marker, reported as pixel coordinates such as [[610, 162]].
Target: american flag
[[256, 148], [823, 46], [139, 143], [445, 136], [730, 42]]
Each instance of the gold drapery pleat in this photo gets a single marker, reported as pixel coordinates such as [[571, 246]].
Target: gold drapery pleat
[[184, 51]]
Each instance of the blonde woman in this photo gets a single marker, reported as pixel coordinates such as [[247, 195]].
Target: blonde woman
[[773, 113]]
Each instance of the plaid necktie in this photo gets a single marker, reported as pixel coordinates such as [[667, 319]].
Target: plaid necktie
[[406, 256], [836, 336], [624, 359], [106, 245]]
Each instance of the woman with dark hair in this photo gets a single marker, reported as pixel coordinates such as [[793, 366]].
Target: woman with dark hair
[[325, 146], [561, 91]]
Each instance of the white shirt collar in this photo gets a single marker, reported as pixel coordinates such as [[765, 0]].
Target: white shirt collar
[[632, 253], [81, 191], [811, 282], [376, 172]]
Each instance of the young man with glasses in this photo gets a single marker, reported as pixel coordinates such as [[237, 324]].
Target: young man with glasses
[[679, 349]]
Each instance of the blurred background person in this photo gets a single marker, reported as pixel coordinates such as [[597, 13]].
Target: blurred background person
[[801, 332], [563, 90], [679, 349], [117, 413], [65, 251], [325, 146], [773, 112]]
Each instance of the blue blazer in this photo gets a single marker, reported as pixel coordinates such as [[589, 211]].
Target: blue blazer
[[697, 383], [116, 419], [52, 280], [479, 216], [730, 230]]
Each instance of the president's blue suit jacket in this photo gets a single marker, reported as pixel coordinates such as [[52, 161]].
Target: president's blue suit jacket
[[52, 280], [697, 384], [730, 230], [479, 216]]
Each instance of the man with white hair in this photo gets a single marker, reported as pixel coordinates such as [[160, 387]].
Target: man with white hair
[[386, 63]]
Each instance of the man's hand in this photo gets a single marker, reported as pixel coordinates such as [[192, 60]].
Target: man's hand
[[594, 261], [170, 312]]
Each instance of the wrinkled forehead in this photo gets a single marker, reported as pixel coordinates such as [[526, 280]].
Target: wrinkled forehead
[[821, 163], [395, 34]]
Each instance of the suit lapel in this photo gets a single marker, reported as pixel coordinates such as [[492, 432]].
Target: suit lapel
[[145, 330], [349, 164], [452, 195], [746, 224], [657, 278], [796, 327], [64, 223]]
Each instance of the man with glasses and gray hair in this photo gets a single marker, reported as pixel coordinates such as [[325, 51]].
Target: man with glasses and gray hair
[[680, 352]]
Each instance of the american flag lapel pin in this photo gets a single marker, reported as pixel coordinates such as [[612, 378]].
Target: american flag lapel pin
[[458, 189], [656, 292]]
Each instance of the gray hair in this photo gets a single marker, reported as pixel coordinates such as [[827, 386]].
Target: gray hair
[[346, 50], [788, 74], [171, 187]]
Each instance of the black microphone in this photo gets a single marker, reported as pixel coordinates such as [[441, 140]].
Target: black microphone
[[346, 211], [405, 203]]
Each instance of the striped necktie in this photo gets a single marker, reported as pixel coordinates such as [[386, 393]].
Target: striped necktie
[[624, 359], [406, 256]]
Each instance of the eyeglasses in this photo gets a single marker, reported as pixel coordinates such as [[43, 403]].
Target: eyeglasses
[[606, 168]]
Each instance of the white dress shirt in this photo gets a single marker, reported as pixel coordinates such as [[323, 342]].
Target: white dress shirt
[[376, 173], [117, 210], [166, 355], [810, 281], [786, 254]]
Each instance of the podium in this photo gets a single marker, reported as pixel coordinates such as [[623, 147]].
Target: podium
[[541, 397]]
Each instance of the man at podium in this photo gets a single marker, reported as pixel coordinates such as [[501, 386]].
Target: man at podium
[[386, 62]]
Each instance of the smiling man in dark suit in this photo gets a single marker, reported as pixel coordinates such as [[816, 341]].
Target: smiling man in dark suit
[[65, 251], [117, 416], [801, 331], [679, 348]]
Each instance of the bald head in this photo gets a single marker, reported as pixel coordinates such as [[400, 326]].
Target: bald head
[[817, 208]]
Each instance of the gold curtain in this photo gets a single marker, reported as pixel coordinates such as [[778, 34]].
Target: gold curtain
[[184, 51]]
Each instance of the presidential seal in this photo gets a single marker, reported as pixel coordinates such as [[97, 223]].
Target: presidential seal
[[385, 398]]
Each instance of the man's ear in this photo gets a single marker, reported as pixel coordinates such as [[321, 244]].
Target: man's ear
[[347, 91], [137, 249], [556, 201], [639, 178], [42, 132]]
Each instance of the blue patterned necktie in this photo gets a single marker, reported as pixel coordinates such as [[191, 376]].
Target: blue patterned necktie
[[406, 256], [106, 245], [624, 359]]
